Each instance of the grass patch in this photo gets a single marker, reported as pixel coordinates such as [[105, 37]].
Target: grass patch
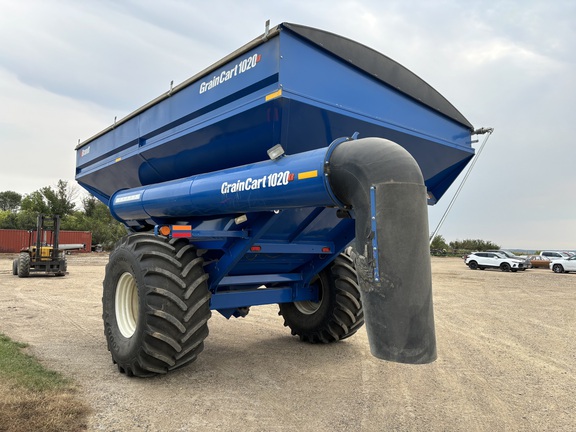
[[33, 397], [24, 371]]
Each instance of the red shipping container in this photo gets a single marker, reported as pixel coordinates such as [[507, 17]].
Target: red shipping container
[[12, 241]]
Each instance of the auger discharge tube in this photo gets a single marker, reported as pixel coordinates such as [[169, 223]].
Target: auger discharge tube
[[288, 182]]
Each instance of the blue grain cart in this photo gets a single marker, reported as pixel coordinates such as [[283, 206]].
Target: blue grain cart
[[297, 171]]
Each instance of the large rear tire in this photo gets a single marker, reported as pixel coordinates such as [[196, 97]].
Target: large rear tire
[[156, 304], [337, 315], [15, 267], [23, 265]]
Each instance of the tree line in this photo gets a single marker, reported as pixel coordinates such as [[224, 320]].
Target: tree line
[[19, 211], [438, 246]]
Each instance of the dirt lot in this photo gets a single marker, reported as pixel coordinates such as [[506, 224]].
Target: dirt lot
[[506, 361]]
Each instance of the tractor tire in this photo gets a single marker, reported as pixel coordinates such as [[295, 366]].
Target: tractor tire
[[15, 267], [156, 304], [23, 265], [337, 315], [63, 266]]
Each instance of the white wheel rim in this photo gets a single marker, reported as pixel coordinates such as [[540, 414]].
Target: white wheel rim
[[126, 305], [308, 307]]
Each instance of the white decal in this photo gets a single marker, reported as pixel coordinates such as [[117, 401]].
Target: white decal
[[240, 67], [127, 198], [270, 180]]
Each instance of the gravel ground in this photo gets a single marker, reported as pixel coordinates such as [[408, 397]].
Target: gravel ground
[[506, 361]]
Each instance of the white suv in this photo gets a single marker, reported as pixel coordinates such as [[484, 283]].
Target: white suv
[[482, 260], [563, 265], [527, 263]]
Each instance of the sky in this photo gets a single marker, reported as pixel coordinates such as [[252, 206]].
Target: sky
[[68, 68]]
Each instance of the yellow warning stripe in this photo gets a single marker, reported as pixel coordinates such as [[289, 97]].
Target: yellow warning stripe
[[274, 95], [307, 175]]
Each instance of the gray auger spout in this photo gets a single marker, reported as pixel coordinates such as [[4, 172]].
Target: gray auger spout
[[383, 185]]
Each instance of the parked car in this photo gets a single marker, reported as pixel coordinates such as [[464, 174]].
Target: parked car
[[563, 265], [509, 254], [483, 260], [539, 261], [555, 254]]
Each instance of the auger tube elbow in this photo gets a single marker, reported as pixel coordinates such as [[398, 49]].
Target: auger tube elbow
[[383, 185]]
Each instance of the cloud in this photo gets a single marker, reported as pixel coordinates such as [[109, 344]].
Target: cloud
[[101, 56], [37, 140], [67, 68]]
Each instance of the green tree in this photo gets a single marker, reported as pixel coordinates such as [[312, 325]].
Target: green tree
[[97, 219], [26, 220], [8, 220], [35, 203], [90, 204], [473, 245], [10, 201], [59, 201], [439, 243], [21, 220]]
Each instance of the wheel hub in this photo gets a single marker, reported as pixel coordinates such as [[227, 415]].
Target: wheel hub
[[126, 305], [309, 307]]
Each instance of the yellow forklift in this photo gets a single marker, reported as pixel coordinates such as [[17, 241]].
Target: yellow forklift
[[43, 255]]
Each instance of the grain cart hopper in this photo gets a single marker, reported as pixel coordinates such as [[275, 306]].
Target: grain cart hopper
[[246, 184]]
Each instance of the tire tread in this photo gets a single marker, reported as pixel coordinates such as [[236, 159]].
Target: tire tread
[[176, 304], [345, 315]]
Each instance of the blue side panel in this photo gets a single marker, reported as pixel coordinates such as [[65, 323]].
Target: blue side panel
[[196, 148], [318, 97], [189, 132], [323, 81]]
